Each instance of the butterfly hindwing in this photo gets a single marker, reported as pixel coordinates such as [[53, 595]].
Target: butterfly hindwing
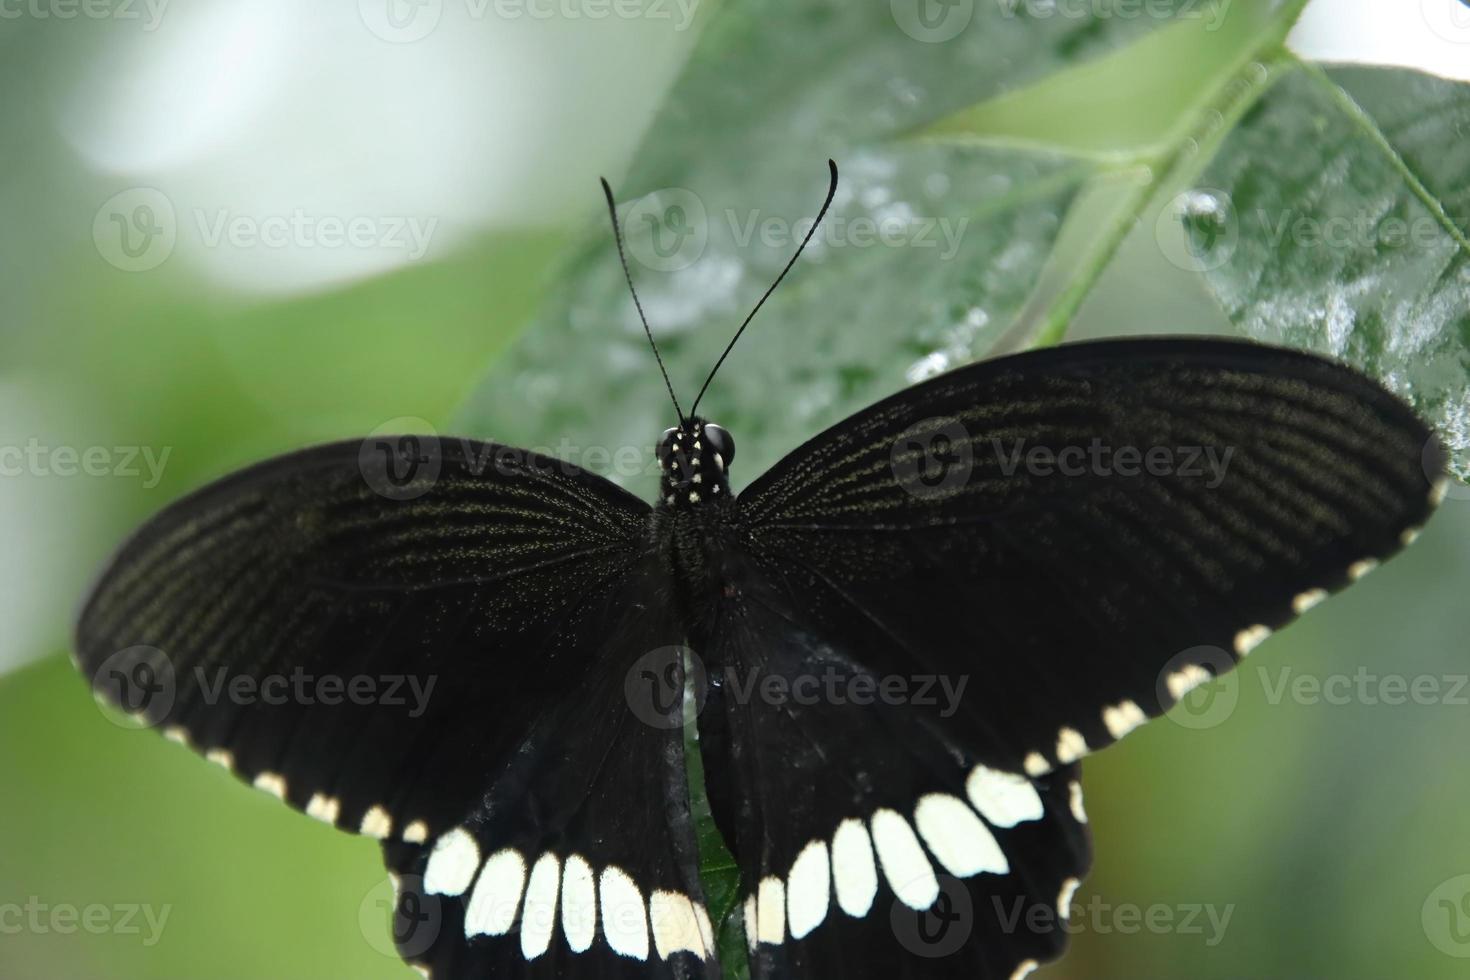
[[871, 842], [578, 858]]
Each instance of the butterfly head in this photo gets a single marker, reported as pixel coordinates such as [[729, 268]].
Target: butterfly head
[[694, 460]]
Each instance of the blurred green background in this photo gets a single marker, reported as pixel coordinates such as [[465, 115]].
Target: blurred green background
[[1330, 830]]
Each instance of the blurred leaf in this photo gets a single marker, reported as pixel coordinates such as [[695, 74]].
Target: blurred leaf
[[927, 255], [1337, 218]]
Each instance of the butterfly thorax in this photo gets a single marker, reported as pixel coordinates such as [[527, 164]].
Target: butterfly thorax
[[693, 466], [695, 509]]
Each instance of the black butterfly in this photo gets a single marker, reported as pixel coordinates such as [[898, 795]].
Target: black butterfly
[[533, 803]]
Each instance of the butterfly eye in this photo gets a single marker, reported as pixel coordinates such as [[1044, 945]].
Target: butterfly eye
[[666, 444], [721, 442]]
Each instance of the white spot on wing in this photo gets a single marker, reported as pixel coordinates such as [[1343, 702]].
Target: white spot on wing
[[1026, 968], [963, 844], [1409, 536], [1360, 568], [578, 904], [770, 911], [1250, 638], [624, 918], [1439, 491], [1123, 718], [273, 783], [497, 895], [1186, 679], [452, 863], [675, 926], [705, 929], [809, 889], [1074, 790], [538, 918], [323, 807], [1071, 746], [749, 910], [221, 757], [1035, 764], [1003, 798], [1064, 898], [1308, 600], [376, 823], [416, 832], [908, 871], [853, 871], [175, 733]]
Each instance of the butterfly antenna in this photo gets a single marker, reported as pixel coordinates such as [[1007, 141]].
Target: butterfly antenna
[[831, 190], [612, 210]]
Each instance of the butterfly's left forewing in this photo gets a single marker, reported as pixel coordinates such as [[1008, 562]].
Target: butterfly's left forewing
[[430, 648]]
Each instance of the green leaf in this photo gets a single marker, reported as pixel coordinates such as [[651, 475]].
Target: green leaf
[[1336, 219]]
